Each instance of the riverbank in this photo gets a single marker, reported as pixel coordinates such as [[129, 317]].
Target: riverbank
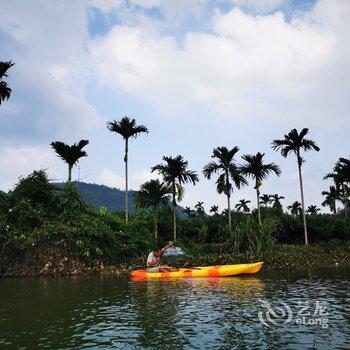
[[284, 257]]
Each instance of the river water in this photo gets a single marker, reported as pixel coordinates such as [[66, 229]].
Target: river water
[[278, 310]]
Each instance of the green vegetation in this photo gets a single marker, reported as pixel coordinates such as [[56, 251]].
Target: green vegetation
[[45, 229], [127, 128], [295, 142], [50, 229], [70, 154], [175, 174], [255, 168], [5, 90], [224, 164]]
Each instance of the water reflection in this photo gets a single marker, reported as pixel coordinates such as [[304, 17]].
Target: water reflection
[[176, 314]]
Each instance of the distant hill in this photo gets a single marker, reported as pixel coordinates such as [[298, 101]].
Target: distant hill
[[111, 198]]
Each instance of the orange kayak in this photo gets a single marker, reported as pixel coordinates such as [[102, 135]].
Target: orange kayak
[[205, 271]]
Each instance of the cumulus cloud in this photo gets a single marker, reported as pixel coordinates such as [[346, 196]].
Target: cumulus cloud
[[47, 42], [249, 66], [21, 161], [112, 179], [260, 6]]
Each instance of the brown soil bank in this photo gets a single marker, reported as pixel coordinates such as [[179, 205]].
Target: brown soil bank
[[283, 257]]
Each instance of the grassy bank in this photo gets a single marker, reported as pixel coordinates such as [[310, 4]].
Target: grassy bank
[[284, 257]]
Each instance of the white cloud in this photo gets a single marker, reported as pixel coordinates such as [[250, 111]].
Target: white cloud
[[112, 179], [261, 6], [251, 66], [21, 161], [46, 40]]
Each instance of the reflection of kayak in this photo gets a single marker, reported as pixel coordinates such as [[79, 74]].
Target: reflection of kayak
[[206, 271]]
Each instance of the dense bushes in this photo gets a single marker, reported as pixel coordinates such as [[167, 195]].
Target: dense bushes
[[50, 229], [42, 225]]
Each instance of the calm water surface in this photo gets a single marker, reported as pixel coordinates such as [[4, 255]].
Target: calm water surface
[[118, 313]]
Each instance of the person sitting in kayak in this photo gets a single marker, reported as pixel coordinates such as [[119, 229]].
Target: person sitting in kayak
[[153, 260]]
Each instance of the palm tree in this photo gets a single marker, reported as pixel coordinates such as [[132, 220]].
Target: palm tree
[[5, 90], [175, 174], [341, 176], [331, 197], [312, 209], [70, 154], [243, 205], [127, 128], [295, 142], [276, 199], [265, 199], [255, 168], [200, 208], [214, 209], [153, 194], [224, 165], [189, 212], [295, 208]]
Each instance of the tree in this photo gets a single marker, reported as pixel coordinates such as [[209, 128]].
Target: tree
[[243, 205], [200, 208], [153, 194], [341, 176], [190, 213], [295, 208], [312, 209], [70, 154], [295, 142], [225, 166], [127, 128], [276, 199], [5, 90], [175, 173], [214, 209], [331, 197], [265, 199], [255, 168]]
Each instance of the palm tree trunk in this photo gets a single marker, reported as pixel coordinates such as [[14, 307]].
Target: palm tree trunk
[[258, 203], [70, 173], [345, 199], [228, 203], [229, 214], [302, 200], [174, 212], [155, 226], [126, 181]]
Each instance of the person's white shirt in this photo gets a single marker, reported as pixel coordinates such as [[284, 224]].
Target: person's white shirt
[[151, 259]]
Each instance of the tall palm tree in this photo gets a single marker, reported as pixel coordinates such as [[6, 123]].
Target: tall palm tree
[[295, 208], [175, 173], [331, 197], [127, 128], [214, 209], [312, 209], [200, 208], [225, 166], [265, 199], [295, 142], [70, 154], [276, 199], [341, 177], [5, 90], [243, 205], [255, 168], [153, 194]]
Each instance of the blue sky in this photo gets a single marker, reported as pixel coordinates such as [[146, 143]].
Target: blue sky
[[198, 73]]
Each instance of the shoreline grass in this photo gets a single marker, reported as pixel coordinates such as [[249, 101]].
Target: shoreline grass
[[285, 257]]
